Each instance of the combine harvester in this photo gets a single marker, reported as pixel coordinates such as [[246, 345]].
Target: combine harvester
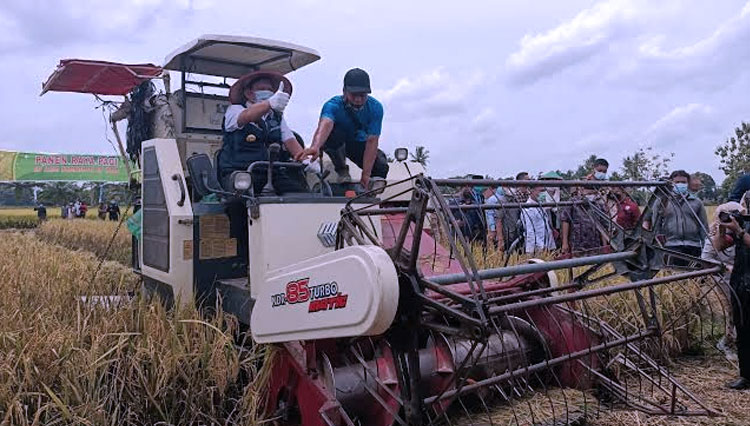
[[376, 303]]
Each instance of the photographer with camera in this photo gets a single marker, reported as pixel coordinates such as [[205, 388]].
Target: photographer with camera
[[734, 228]]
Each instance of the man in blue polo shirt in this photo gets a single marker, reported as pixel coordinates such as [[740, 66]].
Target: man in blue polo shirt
[[349, 127]]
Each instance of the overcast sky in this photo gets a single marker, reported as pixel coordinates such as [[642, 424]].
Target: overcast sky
[[488, 87]]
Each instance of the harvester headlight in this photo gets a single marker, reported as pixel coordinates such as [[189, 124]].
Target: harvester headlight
[[241, 181], [401, 154]]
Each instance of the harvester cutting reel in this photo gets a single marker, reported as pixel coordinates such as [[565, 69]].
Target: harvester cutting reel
[[465, 339]]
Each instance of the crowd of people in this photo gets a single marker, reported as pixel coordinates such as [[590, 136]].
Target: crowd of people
[[79, 209], [533, 218], [74, 210], [576, 221]]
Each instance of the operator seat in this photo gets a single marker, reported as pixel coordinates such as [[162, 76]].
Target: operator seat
[[203, 175]]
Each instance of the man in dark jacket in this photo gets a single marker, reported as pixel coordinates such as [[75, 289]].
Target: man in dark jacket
[[252, 123], [41, 212], [114, 211], [681, 220], [740, 188]]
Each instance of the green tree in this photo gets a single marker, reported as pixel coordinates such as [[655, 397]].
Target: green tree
[[23, 193], [57, 193], [734, 157], [581, 171], [421, 155], [709, 193], [645, 164]]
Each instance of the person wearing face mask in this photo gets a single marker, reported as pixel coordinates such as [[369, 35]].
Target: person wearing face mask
[[538, 235], [252, 122], [680, 220], [600, 170], [507, 221], [472, 221], [349, 127], [579, 233], [552, 194]]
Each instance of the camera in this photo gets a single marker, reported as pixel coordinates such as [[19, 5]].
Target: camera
[[726, 217]]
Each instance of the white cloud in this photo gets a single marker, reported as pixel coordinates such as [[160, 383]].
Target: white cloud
[[682, 125], [485, 121], [433, 94], [630, 43], [40, 24], [572, 42], [681, 115], [712, 62]]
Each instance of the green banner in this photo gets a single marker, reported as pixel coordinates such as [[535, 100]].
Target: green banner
[[37, 167]]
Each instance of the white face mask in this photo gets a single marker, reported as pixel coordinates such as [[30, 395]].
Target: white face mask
[[600, 175], [262, 95]]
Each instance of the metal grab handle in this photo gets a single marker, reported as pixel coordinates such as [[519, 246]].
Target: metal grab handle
[[181, 201]]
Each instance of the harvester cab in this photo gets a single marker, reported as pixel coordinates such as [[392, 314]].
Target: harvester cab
[[187, 251], [384, 307]]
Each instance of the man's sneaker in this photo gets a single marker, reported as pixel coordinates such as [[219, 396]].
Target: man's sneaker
[[739, 384], [344, 176], [377, 184]]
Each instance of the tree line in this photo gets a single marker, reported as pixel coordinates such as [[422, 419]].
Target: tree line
[[59, 193], [644, 164]]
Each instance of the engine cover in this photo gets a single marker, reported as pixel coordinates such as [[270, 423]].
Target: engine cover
[[349, 292]]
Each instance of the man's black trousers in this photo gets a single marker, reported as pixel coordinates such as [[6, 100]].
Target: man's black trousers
[[339, 148], [741, 316]]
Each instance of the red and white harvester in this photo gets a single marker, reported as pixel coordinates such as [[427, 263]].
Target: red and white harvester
[[382, 309]]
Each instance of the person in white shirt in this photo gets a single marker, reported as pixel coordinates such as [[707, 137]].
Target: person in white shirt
[[536, 223]]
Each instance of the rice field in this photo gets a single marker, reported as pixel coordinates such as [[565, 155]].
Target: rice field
[[103, 238], [26, 217], [64, 360]]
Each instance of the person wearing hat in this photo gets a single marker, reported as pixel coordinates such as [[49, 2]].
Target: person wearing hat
[[349, 127], [252, 122], [552, 194]]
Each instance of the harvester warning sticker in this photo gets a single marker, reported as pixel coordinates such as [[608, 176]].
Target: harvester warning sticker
[[215, 248], [215, 241], [323, 297], [214, 226]]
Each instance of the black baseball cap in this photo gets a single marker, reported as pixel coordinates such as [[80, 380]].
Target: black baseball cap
[[357, 80]]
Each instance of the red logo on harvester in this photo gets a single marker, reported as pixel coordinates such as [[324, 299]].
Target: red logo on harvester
[[297, 291], [322, 297], [335, 302]]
